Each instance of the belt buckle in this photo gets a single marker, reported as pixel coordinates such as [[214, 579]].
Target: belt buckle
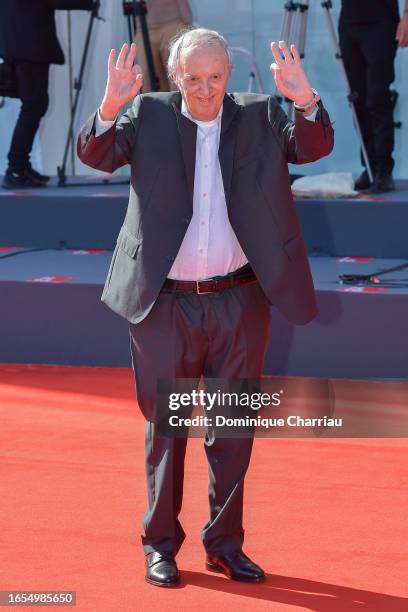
[[198, 288]]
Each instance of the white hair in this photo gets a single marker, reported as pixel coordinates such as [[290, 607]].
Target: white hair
[[194, 38]]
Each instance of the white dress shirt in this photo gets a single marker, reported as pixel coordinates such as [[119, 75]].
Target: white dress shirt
[[210, 246]]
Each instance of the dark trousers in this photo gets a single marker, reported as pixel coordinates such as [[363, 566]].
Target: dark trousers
[[219, 335], [368, 52], [32, 82]]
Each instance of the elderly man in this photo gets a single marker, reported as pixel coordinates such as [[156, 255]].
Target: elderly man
[[210, 240]]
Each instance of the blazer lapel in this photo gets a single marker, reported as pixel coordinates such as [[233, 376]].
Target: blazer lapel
[[229, 121], [188, 137]]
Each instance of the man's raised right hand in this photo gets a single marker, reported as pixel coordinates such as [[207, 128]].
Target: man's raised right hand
[[124, 81]]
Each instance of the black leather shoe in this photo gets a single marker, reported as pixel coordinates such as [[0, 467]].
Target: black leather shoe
[[362, 182], [382, 182], [161, 570], [235, 565], [31, 173], [16, 180]]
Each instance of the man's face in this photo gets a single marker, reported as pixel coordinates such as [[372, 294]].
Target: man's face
[[202, 79]]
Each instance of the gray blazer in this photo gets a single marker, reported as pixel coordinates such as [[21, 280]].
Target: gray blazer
[[257, 141]]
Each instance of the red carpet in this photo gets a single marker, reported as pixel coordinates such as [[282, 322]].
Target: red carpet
[[326, 518]]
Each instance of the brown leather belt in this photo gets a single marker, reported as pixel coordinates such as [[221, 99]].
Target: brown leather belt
[[212, 285]]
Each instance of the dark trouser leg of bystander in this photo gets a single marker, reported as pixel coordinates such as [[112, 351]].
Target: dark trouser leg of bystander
[[32, 79]]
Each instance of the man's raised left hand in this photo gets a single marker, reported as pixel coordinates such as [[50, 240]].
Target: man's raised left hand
[[290, 78]]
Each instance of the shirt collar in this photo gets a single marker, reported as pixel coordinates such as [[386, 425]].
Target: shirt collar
[[216, 121]]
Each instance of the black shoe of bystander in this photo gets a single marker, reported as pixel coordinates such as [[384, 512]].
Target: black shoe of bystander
[[43, 178], [382, 182], [17, 180], [362, 182]]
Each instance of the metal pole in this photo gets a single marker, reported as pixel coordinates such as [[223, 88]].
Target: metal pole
[[78, 87], [70, 81], [138, 9]]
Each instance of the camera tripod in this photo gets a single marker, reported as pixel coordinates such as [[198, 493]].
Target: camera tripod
[[77, 86], [137, 9], [131, 9], [294, 29], [62, 178]]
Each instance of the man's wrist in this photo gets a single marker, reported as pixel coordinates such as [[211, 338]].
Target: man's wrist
[[306, 100], [310, 110], [309, 107], [107, 113]]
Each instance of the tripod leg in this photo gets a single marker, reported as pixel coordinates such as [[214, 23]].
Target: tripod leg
[[299, 39], [286, 29], [337, 52], [131, 27], [304, 12], [147, 46], [70, 83], [78, 87]]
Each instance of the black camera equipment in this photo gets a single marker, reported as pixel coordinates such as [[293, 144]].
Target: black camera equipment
[[394, 99], [374, 279], [133, 10], [8, 80]]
